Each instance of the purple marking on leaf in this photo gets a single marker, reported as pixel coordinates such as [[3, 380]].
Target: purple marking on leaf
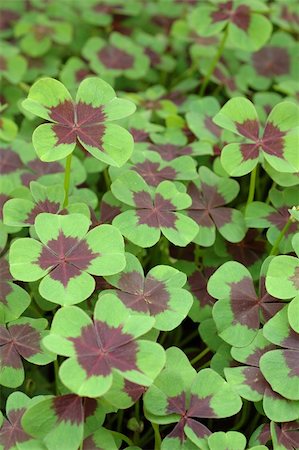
[[131, 282], [82, 121], [198, 286], [255, 380], [139, 135], [89, 444], [108, 212], [269, 305], [249, 151], [152, 175], [279, 219], [42, 31], [271, 61], [249, 250], [273, 140], [168, 152], [115, 58], [221, 216], [5, 278], [254, 358], [227, 81], [292, 361], [198, 408], [7, 17], [249, 128], [3, 199], [245, 303], [212, 127], [9, 161], [223, 12], [154, 57], [68, 408], [241, 17], [66, 257], [159, 214], [25, 339], [81, 74], [101, 348], [134, 391], [72, 408], [39, 169], [177, 404], [11, 432], [295, 278], [291, 341], [143, 200], [40, 207], [288, 434], [149, 295], [9, 357], [63, 113], [201, 407]]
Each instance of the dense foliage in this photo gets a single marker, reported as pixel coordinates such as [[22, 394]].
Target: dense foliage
[[149, 238]]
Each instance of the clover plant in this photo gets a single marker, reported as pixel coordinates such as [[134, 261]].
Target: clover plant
[[149, 225]]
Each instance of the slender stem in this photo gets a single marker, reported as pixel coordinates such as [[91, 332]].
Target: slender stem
[[67, 176], [275, 247], [157, 436], [189, 338], [243, 417], [24, 86], [56, 369], [199, 356], [120, 417], [214, 63], [107, 178], [122, 436], [252, 185]]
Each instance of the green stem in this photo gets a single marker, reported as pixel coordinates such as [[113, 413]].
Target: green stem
[[56, 369], [107, 178], [214, 63], [189, 338], [199, 356], [252, 185], [120, 417], [24, 86], [157, 436], [122, 436], [67, 176], [275, 247], [243, 417]]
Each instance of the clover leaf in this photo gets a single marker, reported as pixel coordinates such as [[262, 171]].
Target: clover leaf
[[280, 366], [13, 299], [238, 311], [154, 211], [180, 395], [23, 212], [158, 294], [247, 28], [12, 434], [99, 347], [52, 419], [209, 195], [277, 143], [87, 120], [21, 338], [67, 256]]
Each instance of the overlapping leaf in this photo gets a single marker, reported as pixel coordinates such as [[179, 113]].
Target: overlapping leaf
[[180, 395], [87, 120], [209, 196], [154, 211], [277, 144], [67, 256], [21, 338], [239, 310], [99, 347], [158, 294]]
